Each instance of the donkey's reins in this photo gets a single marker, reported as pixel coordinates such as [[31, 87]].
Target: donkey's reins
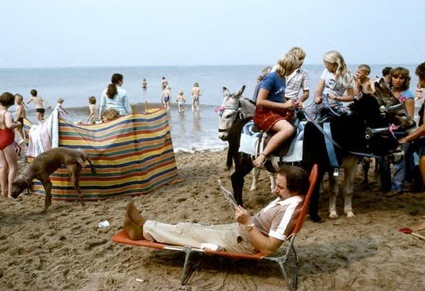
[[327, 136]]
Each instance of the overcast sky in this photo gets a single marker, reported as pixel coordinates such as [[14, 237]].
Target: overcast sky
[[69, 33]]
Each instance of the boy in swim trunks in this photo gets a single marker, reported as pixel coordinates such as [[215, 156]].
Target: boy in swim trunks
[[181, 100], [20, 114], [38, 101]]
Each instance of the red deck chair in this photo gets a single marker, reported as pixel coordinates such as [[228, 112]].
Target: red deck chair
[[283, 261]]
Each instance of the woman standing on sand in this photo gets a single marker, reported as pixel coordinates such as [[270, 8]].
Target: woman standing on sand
[[8, 158], [114, 96]]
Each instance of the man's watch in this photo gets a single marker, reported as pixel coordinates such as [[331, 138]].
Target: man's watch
[[249, 227]]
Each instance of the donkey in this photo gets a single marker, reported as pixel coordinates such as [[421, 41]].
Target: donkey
[[366, 131], [235, 107]]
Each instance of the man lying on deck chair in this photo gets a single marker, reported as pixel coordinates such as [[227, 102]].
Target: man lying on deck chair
[[264, 232]]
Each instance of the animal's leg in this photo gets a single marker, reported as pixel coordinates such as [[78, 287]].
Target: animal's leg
[[366, 166], [74, 173], [238, 179], [47, 184], [348, 187], [255, 176], [333, 194]]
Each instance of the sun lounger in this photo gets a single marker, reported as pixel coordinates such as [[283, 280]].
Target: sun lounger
[[283, 261]]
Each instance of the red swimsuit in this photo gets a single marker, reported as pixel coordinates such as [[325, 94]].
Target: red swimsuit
[[7, 136]]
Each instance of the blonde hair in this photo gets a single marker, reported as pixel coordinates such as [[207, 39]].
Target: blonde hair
[[365, 68], [60, 100], [298, 52], [287, 64], [342, 71]]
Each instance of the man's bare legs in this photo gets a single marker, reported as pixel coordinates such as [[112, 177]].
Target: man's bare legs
[[133, 222]]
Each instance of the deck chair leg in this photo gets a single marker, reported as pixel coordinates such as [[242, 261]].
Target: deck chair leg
[[188, 266], [281, 261]]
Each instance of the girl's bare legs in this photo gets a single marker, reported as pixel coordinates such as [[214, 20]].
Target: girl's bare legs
[[283, 131], [3, 174], [12, 162]]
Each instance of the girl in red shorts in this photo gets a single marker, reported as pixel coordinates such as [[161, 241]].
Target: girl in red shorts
[[273, 112], [8, 159]]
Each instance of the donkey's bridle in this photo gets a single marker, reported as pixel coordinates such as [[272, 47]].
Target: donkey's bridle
[[234, 109]]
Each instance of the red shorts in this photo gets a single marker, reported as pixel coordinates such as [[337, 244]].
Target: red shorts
[[265, 118]]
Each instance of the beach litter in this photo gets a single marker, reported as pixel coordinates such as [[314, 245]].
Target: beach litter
[[408, 230], [104, 224]]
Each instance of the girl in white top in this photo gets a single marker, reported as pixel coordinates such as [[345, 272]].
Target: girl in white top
[[336, 80], [114, 96]]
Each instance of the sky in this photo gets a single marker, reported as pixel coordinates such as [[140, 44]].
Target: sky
[[105, 33]]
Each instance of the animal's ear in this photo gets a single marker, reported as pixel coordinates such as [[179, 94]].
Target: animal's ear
[[240, 92], [226, 92]]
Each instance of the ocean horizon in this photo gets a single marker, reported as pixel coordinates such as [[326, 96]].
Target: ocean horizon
[[189, 132]]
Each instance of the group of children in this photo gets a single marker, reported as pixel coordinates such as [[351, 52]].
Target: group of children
[[181, 99]]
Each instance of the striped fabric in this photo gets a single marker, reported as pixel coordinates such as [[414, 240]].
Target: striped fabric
[[133, 155]]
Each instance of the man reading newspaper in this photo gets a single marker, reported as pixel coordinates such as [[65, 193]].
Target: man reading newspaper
[[265, 231]]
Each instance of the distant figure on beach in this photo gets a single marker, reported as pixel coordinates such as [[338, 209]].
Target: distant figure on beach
[[164, 83], [196, 93], [59, 107], [114, 96], [94, 111], [263, 232], [181, 100], [38, 101], [298, 80], [362, 80], [8, 157], [260, 78], [166, 97], [144, 84], [20, 114]]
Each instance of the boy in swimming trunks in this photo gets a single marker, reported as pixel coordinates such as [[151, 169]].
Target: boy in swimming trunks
[[20, 114], [8, 158], [38, 101], [196, 93]]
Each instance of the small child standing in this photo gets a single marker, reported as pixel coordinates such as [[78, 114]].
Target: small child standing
[[38, 101], [181, 100], [20, 114], [59, 107], [94, 111]]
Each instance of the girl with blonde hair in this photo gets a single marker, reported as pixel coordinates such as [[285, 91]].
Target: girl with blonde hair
[[273, 113], [336, 80]]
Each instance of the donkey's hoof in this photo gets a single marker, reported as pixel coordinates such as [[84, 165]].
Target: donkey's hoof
[[333, 215], [350, 214], [316, 218]]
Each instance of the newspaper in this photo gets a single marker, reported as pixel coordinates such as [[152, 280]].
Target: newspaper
[[228, 195]]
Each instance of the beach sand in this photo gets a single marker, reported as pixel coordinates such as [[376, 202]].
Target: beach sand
[[65, 250]]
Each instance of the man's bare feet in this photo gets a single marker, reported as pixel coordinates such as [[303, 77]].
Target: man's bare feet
[[134, 214], [134, 232], [260, 160]]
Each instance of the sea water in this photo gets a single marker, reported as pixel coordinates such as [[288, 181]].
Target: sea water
[[190, 132]]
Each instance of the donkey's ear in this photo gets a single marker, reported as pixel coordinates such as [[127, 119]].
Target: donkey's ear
[[226, 92], [240, 92]]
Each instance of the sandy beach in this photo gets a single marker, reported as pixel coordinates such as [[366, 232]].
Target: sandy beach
[[65, 250]]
